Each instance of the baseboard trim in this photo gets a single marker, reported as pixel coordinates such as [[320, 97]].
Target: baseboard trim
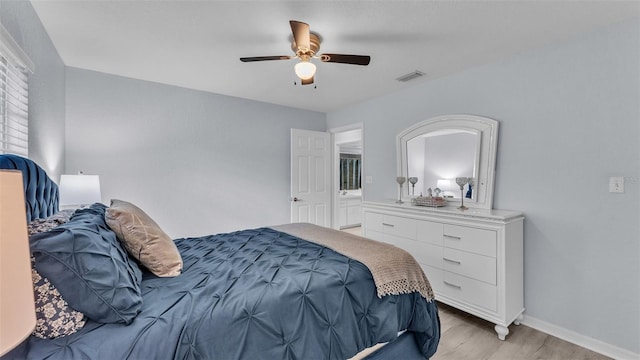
[[581, 340]]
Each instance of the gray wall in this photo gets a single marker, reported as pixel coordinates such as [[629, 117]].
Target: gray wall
[[569, 118], [46, 85], [197, 162]]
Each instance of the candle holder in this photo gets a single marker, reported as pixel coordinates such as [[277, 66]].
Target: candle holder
[[413, 180], [400, 180], [462, 181]]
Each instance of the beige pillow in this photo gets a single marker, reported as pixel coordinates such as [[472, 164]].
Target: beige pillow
[[144, 239]]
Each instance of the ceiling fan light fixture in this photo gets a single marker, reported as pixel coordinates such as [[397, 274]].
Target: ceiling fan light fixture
[[305, 70], [305, 45]]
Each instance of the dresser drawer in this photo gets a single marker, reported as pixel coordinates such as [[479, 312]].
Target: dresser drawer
[[469, 290], [479, 241], [425, 254], [377, 235], [391, 225], [435, 277], [399, 226], [471, 265], [430, 232], [373, 221]]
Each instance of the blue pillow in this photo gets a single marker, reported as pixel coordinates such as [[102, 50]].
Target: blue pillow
[[89, 267]]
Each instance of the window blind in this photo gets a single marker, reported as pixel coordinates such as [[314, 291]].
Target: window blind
[[14, 97]]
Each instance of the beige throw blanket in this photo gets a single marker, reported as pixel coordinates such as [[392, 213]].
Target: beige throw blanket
[[394, 270]]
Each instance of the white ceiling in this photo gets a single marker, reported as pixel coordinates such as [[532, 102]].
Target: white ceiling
[[197, 44]]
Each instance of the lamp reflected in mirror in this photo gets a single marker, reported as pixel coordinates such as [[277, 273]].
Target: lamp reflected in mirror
[[444, 185]]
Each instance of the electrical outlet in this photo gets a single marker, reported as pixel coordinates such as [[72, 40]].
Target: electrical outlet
[[616, 184]]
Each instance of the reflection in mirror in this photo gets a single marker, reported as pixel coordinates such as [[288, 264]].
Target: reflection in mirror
[[350, 171], [439, 150], [449, 153]]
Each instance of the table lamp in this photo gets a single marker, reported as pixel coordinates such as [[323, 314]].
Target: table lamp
[[79, 190]]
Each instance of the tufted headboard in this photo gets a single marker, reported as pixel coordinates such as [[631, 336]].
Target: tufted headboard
[[41, 193]]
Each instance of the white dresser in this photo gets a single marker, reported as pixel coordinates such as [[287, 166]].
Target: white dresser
[[473, 259]]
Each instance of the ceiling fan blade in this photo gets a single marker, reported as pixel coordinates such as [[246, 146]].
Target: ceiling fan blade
[[301, 35], [307, 81], [346, 59], [265, 58]]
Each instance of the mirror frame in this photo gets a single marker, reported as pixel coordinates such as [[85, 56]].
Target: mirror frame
[[486, 163]]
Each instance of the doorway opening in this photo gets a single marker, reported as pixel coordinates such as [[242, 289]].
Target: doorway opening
[[347, 169]]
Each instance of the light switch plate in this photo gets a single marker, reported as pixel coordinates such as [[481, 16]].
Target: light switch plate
[[369, 179], [616, 184]]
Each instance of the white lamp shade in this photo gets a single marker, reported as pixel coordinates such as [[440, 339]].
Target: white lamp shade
[[305, 70], [444, 184], [17, 306], [79, 190]]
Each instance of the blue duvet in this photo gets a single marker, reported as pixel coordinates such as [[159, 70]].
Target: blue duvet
[[253, 294]]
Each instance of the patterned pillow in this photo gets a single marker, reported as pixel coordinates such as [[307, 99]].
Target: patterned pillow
[[54, 317], [42, 225]]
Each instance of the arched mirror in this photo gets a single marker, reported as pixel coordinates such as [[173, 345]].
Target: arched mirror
[[439, 150]]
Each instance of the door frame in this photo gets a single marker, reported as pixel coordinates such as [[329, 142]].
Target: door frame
[[335, 169]]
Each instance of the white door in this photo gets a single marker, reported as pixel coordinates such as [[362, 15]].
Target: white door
[[310, 177]]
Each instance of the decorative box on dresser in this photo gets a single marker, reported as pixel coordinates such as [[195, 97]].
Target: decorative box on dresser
[[473, 258]]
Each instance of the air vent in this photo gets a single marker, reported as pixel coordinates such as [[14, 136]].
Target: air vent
[[410, 76]]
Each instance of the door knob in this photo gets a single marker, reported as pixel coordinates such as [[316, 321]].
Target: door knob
[[296, 199]]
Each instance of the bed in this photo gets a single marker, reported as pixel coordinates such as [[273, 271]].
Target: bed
[[282, 292]]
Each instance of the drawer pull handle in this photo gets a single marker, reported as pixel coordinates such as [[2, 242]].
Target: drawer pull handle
[[451, 261], [385, 224], [452, 285], [452, 237]]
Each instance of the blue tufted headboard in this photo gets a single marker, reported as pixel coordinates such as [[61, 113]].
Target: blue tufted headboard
[[41, 193]]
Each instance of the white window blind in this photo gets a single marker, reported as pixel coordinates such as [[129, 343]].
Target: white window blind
[[14, 97]]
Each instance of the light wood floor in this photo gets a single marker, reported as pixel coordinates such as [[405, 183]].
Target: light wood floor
[[464, 336], [354, 230]]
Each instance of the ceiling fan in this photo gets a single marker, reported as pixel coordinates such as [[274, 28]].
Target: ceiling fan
[[305, 45]]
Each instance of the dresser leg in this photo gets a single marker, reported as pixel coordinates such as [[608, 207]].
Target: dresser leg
[[518, 319], [502, 331]]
